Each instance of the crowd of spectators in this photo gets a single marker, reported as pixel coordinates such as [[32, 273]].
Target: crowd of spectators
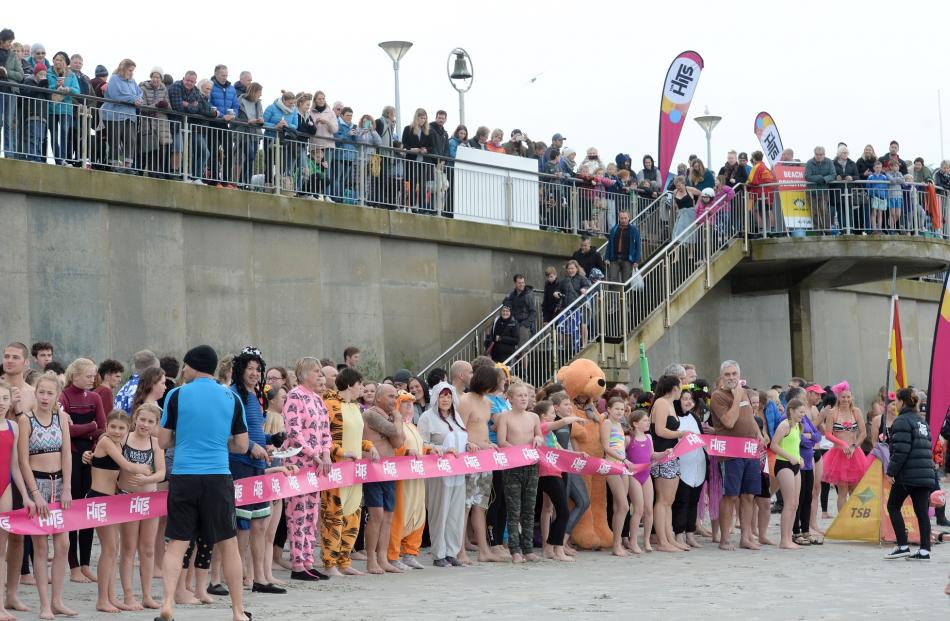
[[326, 151]]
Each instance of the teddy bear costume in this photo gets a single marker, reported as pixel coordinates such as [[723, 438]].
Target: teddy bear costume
[[584, 381]]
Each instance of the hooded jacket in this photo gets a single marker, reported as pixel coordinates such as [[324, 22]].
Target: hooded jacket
[[911, 462], [448, 433], [504, 335], [223, 97], [324, 135]]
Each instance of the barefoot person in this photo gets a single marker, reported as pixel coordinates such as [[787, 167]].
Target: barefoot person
[[383, 427], [442, 431], [640, 452], [732, 416], [844, 467], [552, 484], [15, 364], [664, 428], [786, 444], [106, 462], [141, 447], [45, 459], [205, 422], [9, 470], [340, 508], [576, 488], [515, 427], [692, 475], [474, 409], [615, 450]]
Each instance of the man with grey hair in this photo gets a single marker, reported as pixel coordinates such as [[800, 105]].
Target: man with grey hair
[[820, 172], [691, 374], [676, 370], [942, 177], [732, 416], [141, 361]]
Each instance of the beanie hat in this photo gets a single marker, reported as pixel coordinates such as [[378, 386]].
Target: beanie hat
[[202, 359], [402, 376], [39, 68], [101, 71], [158, 70]]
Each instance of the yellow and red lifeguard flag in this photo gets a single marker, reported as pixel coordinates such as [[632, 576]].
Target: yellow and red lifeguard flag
[[939, 395], [898, 364]]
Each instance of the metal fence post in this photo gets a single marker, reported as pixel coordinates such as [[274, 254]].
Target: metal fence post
[[278, 175], [509, 199], [84, 128], [669, 292], [623, 319], [707, 234], [846, 200], [186, 153]]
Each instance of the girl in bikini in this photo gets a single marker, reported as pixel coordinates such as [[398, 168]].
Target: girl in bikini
[[45, 462], [107, 462], [9, 472], [844, 467], [141, 448], [639, 452], [615, 449]]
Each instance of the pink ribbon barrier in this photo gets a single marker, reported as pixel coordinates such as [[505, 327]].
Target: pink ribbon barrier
[[108, 510]]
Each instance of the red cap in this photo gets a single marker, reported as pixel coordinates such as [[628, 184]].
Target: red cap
[[815, 388]]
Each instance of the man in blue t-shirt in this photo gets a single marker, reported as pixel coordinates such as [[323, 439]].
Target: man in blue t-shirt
[[204, 421]]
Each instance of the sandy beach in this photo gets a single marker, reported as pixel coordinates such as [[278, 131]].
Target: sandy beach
[[833, 581]]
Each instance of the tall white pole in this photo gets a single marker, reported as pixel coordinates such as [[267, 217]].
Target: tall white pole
[[940, 123], [398, 115], [461, 107]]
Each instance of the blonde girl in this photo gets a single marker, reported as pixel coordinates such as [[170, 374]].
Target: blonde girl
[[141, 447], [615, 449], [786, 444], [9, 471], [276, 433], [640, 452], [46, 462]]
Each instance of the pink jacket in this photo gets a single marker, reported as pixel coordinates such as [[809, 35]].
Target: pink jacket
[[325, 131], [723, 198], [308, 426]]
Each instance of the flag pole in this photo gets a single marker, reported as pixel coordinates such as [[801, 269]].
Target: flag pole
[[890, 334]]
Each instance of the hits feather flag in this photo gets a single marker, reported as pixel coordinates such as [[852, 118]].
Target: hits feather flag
[[898, 365], [678, 90], [939, 395]]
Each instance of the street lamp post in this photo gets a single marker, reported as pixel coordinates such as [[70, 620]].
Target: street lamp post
[[461, 75], [708, 122], [396, 50]]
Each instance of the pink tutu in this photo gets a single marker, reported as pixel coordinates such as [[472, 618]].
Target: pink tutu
[[840, 470]]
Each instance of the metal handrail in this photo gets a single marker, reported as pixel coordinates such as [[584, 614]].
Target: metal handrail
[[658, 256], [490, 317]]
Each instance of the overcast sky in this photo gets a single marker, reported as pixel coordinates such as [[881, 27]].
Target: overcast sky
[[826, 71]]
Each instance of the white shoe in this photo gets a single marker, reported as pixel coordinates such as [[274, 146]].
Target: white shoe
[[197, 182], [412, 562], [400, 565]]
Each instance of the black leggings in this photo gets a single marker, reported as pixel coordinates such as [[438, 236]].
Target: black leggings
[[684, 508], [803, 516], [920, 497], [202, 557], [554, 487], [825, 490], [80, 542], [280, 536], [497, 516]]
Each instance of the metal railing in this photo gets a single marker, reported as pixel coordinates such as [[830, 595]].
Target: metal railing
[[654, 232], [849, 208], [83, 130], [610, 312]]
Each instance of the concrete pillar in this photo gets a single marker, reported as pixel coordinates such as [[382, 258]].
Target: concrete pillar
[[799, 312]]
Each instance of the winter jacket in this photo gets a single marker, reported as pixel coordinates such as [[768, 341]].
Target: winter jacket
[[518, 148], [504, 335], [865, 167], [347, 149], [590, 260], [277, 111], [64, 106], [942, 181], [885, 160], [911, 462], [651, 175], [440, 140], [633, 244], [570, 288], [37, 111], [124, 93], [708, 181], [924, 175], [249, 111], [10, 62], [819, 173], [550, 305], [223, 97], [736, 172], [153, 126], [387, 132], [475, 144], [523, 308], [411, 141], [183, 100], [325, 131], [454, 144], [848, 169]]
